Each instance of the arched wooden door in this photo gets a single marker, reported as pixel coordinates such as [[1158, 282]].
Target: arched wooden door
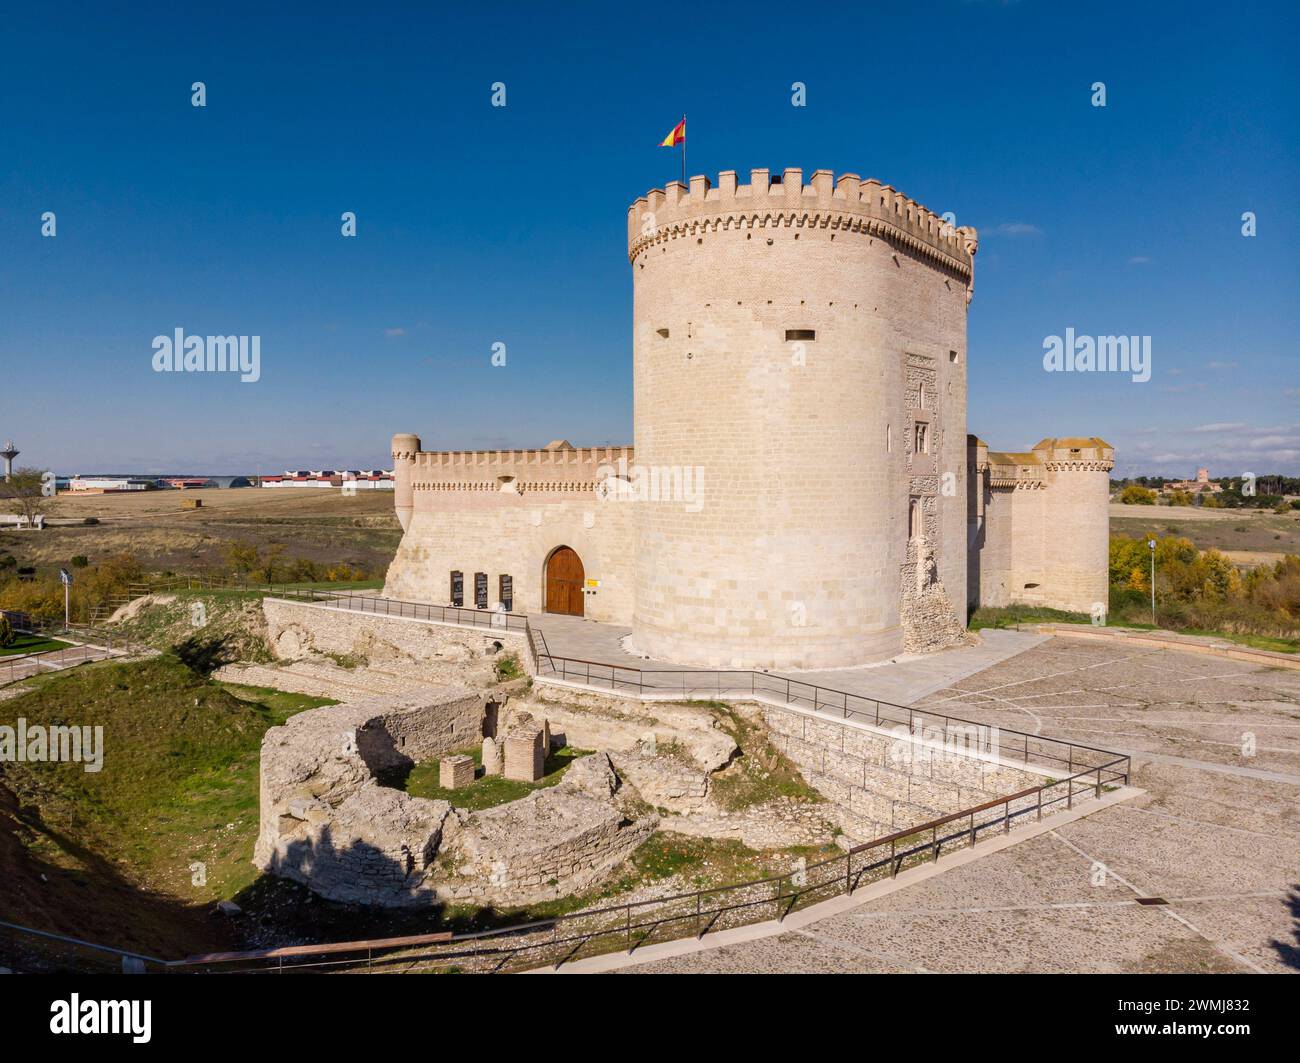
[[564, 582]]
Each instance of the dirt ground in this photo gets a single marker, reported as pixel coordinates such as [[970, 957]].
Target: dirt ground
[[316, 524], [1248, 537], [1217, 835]]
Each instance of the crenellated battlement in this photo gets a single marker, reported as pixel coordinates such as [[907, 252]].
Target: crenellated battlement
[[846, 203], [559, 467], [498, 460]]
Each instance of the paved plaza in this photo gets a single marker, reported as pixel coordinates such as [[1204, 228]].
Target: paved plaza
[[1216, 835]]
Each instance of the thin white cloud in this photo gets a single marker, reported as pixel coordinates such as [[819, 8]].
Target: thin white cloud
[[1220, 365], [1139, 260], [391, 332], [1018, 228], [1222, 426]]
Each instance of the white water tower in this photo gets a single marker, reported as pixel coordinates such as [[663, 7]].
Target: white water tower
[[9, 453]]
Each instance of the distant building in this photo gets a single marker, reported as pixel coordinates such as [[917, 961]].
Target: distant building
[[357, 479], [103, 485], [1198, 486]]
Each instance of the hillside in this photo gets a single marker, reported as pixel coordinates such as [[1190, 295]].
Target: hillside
[[111, 855]]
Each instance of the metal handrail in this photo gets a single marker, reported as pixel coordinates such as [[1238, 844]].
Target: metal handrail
[[455, 945], [1100, 775]]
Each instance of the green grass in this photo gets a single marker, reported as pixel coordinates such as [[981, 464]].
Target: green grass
[[1258, 642], [488, 791], [509, 667], [24, 643], [759, 773], [179, 782], [1011, 615]]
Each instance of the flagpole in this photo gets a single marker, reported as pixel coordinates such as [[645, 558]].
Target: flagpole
[[683, 148]]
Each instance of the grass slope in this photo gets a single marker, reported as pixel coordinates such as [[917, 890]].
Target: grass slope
[[114, 856]]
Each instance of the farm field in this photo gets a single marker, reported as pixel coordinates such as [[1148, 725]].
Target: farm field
[[1248, 537], [316, 525]]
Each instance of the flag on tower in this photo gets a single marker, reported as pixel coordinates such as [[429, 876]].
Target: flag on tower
[[677, 136]]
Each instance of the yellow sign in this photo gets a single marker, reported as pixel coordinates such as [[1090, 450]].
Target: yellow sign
[[593, 583]]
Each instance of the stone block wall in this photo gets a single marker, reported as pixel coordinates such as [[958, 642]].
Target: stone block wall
[[555, 842], [299, 629], [886, 782], [464, 518], [776, 326], [327, 821], [401, 736], [1040, 524], [324, 819]]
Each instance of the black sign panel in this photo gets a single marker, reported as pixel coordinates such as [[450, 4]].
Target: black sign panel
[[458, 588], [480, 589], [506, 593]]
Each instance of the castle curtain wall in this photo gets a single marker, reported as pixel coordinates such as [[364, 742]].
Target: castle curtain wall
[[503, 513], [799, 364]]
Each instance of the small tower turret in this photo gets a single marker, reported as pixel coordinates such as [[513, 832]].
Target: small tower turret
[[405, 447]]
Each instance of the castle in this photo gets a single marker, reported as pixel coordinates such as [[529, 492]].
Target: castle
[[802, 492]]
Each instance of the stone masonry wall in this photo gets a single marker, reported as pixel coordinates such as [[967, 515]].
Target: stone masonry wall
[[886, 782], [298, 629], [324, 819], [792, 560], [327, 821]]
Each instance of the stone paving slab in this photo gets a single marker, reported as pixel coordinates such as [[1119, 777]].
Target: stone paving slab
[[1221, 845], [901, 682]]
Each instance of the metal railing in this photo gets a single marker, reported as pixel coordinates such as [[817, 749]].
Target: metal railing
[[344, 598], [630, 926], [627, 927], [94, 644], [491, 619], [45, 952], [1033, 750]]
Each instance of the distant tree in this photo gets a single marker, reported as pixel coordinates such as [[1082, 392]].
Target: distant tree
[[7, 635], [1133, 495], [24, 493], [242, 557], [1180, 498]]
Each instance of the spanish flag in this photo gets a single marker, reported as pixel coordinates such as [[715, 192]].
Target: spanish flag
[[677, 136]]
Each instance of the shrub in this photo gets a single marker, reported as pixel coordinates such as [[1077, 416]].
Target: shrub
[[7, 633], [1133, 495]]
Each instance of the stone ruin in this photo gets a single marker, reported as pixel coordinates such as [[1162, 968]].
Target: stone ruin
[[527, 746], [329, 822], [455, 772]]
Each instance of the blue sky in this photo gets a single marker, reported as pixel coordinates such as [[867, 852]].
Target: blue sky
[[479, 225]]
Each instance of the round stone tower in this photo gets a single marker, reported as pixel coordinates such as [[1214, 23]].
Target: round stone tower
[[1076, 546], [404, 450], [800, 410]]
